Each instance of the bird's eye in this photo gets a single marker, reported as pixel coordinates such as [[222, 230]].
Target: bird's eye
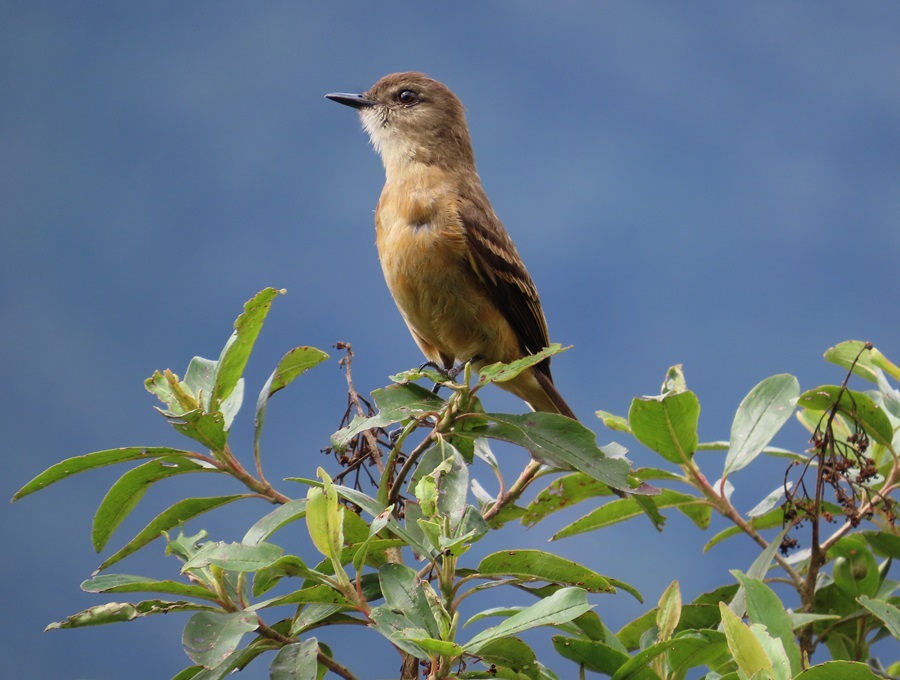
[[408, 97]]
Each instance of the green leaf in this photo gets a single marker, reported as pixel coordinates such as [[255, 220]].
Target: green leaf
[[561, 607], [765, 608], [128, 490], [668, 614], [90, 461], [324, 520], [199, 380], [403, 591], [211, 637], [838, 670], [747, 650], [399, 629], [292, 365], [374, 508], [613, 422], [693, 617], [510, 652], [845, 353], [636, 665], [289, 566], [563, 492], [698, 648], [536, 564], [500, 372], [434, 646], [882, 543], [117, 612], [888, 613], [318, 594], [296, 661], [177, 514], [272, 522], [855, 571], [757, 570], [667, 424], [855, 405], [236, 352], [621, 510], [761, 414], [234, 556], [595, 656], [175, 394], [125, 583], [207, 428], [444, 464], [395, 403], [561, 441]]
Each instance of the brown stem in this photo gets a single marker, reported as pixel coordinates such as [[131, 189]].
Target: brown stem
[[516, 490], [263, 488], [724, 507], [353, 396]]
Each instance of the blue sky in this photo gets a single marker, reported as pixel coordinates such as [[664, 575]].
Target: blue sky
[[712, 184]]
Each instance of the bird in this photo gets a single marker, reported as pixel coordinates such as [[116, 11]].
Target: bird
[[449, 263]]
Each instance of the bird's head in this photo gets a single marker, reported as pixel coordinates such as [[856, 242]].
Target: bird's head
[[412, 118]]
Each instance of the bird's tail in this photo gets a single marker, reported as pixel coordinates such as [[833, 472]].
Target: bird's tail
[[553, 398]]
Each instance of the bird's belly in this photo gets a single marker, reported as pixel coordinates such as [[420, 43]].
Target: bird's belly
[[443, 302]]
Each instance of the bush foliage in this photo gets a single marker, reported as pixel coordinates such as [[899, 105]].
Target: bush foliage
[[394, 527]]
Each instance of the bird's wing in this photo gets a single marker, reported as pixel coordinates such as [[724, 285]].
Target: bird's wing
[[493, 256]]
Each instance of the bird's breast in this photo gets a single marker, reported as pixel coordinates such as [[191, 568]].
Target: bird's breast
[[425, 257]]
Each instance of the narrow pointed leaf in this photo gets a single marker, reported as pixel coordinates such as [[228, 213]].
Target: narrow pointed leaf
[[236, 352], [623, 509], [559, 441], [764, 607], [125, 583], [536, 564], [561, 493], [667, 425], [117, 612], [177, 514], [124, 495], [279, 517], [561, 607], [97, 459], [501, 372], [292, 365], [234, 556], [668, 613], [745, 647], [761, 414], [596, 656]]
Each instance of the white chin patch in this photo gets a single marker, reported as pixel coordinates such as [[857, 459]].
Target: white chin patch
[[373, 122]]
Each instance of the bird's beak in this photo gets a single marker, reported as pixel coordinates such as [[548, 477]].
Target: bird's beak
[[357, 101]]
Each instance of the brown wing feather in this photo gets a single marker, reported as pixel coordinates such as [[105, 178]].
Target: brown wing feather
[[499, 266]]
